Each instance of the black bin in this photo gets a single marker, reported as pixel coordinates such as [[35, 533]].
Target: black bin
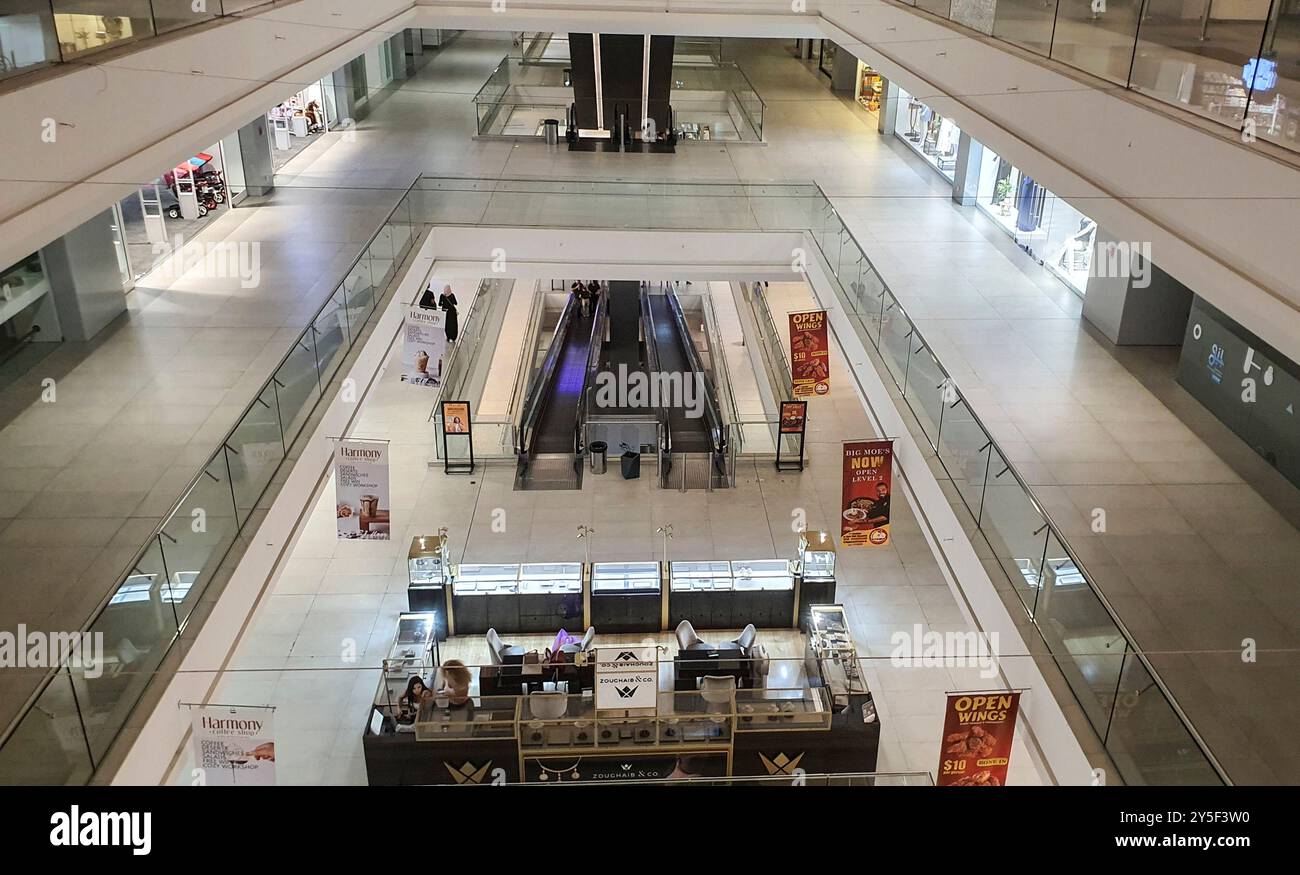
[[631, 463]]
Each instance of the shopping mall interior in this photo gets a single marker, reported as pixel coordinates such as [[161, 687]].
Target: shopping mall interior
[[878, 394]]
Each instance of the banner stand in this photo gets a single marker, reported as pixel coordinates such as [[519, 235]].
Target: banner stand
[[794, 421], [457, 423]]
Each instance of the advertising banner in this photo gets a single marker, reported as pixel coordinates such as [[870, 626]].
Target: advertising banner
[[868, 480], [810, 361], [627, 677], [628, 767], [977, 733], [234, 746], [424, 346], [455, 417], [794, 416], [361, 490]]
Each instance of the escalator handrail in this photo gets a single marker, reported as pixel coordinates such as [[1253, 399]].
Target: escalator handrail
[[652, 364], [711, 408], [596, 342], [538, 391]]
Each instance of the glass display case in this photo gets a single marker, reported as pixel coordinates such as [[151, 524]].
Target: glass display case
[[414, 650], [545, 577], [486, 579], [700, 576], [762, 574], [817, 555], [625, 577], [426, 569], [626, 596]]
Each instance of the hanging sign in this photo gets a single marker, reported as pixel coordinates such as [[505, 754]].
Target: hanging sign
[[627, 677], [810, 362], [424, 347], [977, 733], [361, 490], [234, 746], [868, 479]]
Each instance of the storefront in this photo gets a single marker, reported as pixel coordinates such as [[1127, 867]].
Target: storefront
[[297, 122], [826, 58], [869, 88], [934, 137], [1042, 224], [176, 206]]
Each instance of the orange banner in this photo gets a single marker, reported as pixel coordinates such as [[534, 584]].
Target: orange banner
[[977, 733], [868, 480], [810, 356]]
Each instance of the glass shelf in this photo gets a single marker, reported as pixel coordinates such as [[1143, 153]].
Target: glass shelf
[[544, 577], [621, 577], [535, 578], [487, 580], [744, 576]]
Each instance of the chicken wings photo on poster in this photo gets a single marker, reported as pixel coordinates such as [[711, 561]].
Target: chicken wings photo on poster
[[810, 361], [868, 481], [977, 732]]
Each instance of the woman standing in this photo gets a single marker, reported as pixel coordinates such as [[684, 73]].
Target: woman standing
[[447, 303]]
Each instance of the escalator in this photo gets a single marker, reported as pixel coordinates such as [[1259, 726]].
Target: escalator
[[550, 448], [692, 429]]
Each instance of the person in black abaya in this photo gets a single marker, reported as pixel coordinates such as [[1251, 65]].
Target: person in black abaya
[[447, 303], [427, 300]]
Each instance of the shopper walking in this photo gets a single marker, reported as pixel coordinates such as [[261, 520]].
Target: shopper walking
[[593, 295], [447, 303]]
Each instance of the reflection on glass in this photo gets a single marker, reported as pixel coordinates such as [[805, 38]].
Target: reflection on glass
[[1025, 23], [253, 451], [81, 32], [173, 14], [1196, 53], [1097, 38], [1274, 111], [48, 746], [27, 36]]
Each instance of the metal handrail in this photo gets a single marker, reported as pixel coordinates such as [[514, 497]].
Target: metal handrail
[[665, 447], [202, 472], [537, 391], [595, 343], [1055, 530], [712, 408]]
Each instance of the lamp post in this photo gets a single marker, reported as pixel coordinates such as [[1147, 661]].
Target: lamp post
[[584, 535], [667, 531]]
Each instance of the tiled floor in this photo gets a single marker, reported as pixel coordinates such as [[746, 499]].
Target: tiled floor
[[1193, 558], [333, 591]]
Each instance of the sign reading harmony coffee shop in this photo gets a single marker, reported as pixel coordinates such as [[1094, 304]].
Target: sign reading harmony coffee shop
[[361, 490], [627, 677]]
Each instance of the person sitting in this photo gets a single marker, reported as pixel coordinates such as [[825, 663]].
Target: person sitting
[[409, 703], [456, 679]]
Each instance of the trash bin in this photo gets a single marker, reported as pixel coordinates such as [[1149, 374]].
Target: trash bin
[[598, 450], [631, 462], [551, 128]]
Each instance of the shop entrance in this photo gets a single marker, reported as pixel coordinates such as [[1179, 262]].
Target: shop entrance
[[299, 121]]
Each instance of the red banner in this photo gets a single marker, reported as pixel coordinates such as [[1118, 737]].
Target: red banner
[[794, 416], [977, 733], [810, 356], [868, 481]]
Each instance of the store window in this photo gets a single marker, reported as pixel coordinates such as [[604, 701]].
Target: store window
[[27, 36], [29, 326], [297, 122], [81, 32], [870, 88], [1045, 226], [826, 58], [934, 137]]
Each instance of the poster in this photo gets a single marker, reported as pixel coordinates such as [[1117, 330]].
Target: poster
[[234, 746], [361, 490], [627, 677], [424, 346], [977, 733], [810, 362], [627, 767], [868, 479], [455, 417], [794, 415]]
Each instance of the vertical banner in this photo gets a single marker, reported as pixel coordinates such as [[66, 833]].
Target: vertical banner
[[977, 733], [868, 479], [810, 357], [234, 746], [361, 489], [424, 346]]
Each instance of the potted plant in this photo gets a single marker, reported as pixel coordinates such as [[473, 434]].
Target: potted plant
[[1001, 196]]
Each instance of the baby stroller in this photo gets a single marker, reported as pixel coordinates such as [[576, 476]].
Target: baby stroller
[[172, 206], [210, 186]]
